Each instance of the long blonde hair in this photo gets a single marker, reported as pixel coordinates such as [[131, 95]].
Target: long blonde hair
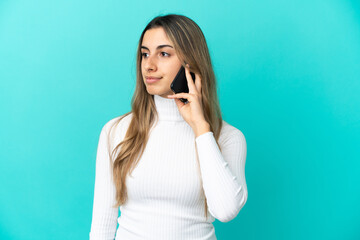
[[190, 46]]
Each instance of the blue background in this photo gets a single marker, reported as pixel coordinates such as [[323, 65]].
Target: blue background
[[289, 79]]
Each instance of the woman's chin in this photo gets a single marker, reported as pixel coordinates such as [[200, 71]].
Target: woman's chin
[[163, 93]]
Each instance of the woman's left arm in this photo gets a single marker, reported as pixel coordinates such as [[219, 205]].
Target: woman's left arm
[[223, 173]]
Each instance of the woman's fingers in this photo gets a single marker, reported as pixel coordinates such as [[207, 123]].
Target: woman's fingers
[[190, 81], [198, 82], [193, 87], [188, 96]]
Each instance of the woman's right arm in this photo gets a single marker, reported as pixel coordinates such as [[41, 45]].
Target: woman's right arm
[[104, 215]]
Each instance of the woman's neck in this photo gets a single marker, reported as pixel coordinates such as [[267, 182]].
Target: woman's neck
[[167, 109]]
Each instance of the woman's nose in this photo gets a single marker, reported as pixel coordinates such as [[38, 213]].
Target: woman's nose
[[150, 63]]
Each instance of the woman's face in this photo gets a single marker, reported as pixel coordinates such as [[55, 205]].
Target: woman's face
[[159, 60]]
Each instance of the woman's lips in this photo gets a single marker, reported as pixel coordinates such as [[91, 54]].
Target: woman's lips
[[152, 80]]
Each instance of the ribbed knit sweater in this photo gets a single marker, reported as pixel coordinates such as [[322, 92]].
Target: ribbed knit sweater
[[167, 189]]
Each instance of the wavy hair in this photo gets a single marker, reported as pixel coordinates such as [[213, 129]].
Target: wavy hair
[[190, 46]]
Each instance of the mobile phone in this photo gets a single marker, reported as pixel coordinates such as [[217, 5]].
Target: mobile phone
[[179, 84]]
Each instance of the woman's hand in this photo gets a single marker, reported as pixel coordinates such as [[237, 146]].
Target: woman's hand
[[192, 111]]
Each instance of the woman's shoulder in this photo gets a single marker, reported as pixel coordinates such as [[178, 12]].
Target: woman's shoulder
[[119, 122], [230, 133], [115, 129], [117, 126]]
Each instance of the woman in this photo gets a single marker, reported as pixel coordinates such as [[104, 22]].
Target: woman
[[171, 167]]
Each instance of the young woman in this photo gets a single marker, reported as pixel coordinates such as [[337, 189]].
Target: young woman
[[171, 167]]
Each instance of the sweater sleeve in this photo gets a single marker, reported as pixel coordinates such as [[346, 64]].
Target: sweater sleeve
[[104, 215], [223, 173]]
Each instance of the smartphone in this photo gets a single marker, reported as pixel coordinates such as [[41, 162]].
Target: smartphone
[[179, 84]]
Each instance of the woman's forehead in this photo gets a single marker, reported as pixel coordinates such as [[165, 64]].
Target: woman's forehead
[[155, 37]]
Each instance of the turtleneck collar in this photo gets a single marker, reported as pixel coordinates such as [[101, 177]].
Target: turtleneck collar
[[167, 109]]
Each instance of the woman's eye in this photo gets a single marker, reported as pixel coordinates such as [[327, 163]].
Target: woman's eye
[[165, 53], [144, 54]]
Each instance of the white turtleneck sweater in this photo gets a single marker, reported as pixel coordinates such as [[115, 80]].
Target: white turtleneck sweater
[[167, 188]]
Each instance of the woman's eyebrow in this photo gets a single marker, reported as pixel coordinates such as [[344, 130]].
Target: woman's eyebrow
[[158, 47]]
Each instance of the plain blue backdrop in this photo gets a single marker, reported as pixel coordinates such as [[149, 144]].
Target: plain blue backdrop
[[289, 78]]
